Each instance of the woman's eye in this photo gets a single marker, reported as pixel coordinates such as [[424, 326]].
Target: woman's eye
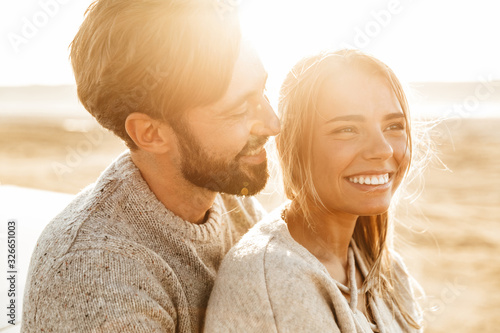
[[346, 130], [396, 127]]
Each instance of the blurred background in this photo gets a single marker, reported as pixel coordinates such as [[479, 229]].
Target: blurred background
[[447, 52]]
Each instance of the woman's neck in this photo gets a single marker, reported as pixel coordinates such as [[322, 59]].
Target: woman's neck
[[329, 236]]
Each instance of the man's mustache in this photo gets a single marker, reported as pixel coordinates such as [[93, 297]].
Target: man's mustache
[[253, 143]]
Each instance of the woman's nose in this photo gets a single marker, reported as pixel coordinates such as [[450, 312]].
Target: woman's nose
[[378, 147]]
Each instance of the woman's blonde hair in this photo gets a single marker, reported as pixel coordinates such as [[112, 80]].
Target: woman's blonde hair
[[158, 57], [297, 107]]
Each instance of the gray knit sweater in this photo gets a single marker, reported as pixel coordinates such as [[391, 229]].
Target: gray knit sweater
[[270, 283], [116, 260]]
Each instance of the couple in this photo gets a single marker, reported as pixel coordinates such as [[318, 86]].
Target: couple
[[142, 248]]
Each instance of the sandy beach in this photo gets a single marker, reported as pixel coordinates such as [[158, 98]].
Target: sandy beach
[[449, 236]]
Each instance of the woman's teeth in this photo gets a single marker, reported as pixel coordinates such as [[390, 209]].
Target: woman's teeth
[[370, 180]]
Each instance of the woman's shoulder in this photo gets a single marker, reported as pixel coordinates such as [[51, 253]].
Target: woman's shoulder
[[407, 287], [400, 271], [399, 267], [254, 244], [239, 300], [267, 280], [266, 248]]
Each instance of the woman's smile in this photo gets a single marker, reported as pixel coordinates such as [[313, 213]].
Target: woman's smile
[[371, 182]]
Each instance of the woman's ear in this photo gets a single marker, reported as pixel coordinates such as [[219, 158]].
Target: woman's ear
[[149, 134]]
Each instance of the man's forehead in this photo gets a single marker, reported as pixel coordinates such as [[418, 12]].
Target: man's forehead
[[248, 78], [248, 66]]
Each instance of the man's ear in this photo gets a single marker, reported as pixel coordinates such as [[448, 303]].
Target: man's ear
[[149, 134]]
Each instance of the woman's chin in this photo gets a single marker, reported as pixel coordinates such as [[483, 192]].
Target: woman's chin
[[373, 210]]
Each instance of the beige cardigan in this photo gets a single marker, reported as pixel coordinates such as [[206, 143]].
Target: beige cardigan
[[270, 283]]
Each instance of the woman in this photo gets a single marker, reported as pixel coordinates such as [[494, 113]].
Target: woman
[[323, 262]]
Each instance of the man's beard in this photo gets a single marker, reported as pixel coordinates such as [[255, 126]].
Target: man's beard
[[218, 175]]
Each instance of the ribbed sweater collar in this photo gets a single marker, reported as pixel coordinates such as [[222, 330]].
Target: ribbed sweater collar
[[123, 175]]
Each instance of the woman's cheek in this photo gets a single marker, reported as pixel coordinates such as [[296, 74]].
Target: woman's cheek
[[404, 156]]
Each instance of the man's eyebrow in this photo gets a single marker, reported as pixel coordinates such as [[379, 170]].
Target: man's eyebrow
[[361, 118], [243, 98]]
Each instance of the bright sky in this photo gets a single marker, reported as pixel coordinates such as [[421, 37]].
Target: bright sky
[[422, 40]]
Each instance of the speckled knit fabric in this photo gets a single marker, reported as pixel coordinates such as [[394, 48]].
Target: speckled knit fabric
[[116, 260], [270, 283]]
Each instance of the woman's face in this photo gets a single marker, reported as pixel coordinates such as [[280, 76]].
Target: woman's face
[[360, 148]]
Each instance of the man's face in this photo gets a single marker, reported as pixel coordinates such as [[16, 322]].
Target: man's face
[[221, 145]]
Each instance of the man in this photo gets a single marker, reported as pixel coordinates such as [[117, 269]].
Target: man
[[138, 250]]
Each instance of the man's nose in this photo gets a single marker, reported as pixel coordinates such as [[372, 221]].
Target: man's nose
[[265, 122]]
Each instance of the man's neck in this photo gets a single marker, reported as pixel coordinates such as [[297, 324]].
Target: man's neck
[[178, 195]]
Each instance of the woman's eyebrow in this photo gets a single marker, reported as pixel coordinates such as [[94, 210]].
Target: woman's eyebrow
[[394, 115], [361, 118], [352, 117]]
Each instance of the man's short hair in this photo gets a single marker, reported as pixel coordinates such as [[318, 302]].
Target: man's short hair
[[158, 57]]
